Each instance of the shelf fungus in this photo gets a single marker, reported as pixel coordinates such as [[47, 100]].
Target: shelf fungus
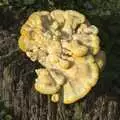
[[68, 47]]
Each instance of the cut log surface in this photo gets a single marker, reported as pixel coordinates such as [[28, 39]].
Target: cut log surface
[[17, 77]]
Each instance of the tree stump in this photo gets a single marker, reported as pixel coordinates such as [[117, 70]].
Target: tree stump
[[17, 78]]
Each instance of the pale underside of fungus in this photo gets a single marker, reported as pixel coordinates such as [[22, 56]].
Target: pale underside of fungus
[[68, 47]]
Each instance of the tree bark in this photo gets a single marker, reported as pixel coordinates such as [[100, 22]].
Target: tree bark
[[17, 88]]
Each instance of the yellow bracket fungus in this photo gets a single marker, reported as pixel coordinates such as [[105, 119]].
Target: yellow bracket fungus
[[68, 47]]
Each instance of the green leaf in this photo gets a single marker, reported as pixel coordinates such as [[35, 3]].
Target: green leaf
[[8, 117]]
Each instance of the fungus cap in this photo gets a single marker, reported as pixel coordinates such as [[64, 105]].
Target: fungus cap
[[80, 78], [68, 47], [45, 83]]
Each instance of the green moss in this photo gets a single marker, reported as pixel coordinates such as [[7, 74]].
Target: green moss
[[4, 111]]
